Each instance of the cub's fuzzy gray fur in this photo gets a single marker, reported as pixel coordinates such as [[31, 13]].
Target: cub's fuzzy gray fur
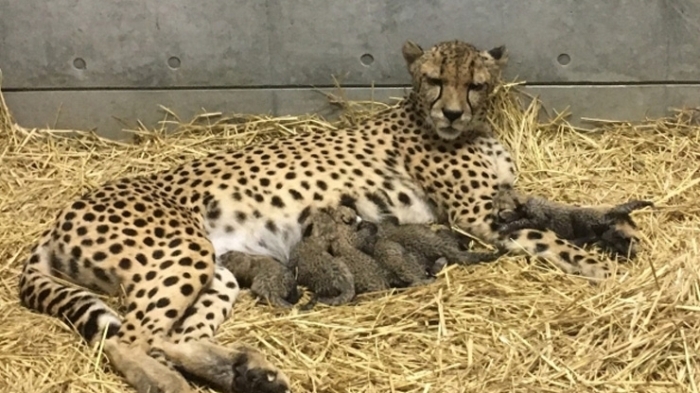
[[326, 275], [432, 249], [370, 274], [609, 227], [330, 260], [267, 278]]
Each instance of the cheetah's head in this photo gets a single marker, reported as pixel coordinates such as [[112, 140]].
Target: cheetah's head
[[452, 81]]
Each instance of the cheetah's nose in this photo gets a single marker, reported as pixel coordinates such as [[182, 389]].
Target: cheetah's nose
[[452, 115]]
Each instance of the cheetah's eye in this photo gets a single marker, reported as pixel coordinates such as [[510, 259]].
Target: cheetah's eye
[[433, 81], [476, 86]]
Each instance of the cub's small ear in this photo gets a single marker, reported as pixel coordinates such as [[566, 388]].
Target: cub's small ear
[[499, 55], [411, 52]]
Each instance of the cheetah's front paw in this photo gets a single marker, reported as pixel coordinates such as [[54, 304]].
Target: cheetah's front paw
[[254, 374], [239, 370], [148, 375]]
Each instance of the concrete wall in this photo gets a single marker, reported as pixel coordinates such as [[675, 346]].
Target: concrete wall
[[89, 64]]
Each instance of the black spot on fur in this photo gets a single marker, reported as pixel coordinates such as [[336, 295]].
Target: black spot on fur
[[186, 290], [100, 274], [139, 222], [565, 256], [533, 235], [277, 202], [304, 215], [378, 201], [308, 231], [125, 264], [348, 201], [296, 195], [116, 248], [404, 198]]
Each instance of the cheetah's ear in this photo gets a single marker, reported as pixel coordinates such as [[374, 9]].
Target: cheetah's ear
[[499, 55], [411, 52]]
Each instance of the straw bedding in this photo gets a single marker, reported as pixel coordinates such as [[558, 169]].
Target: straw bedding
[[511, 326]]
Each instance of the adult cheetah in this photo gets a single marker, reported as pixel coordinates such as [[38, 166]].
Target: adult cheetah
[[159, 236]]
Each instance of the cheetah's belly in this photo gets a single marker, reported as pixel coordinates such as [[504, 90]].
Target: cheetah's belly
[[274, 234], [257, 237]]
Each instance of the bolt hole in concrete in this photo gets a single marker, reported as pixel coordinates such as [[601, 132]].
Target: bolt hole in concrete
[[366, 59], [79, 63], [174, 62], [564, 59]]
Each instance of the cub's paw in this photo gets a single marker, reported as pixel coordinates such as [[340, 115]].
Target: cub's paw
[[437, 267]]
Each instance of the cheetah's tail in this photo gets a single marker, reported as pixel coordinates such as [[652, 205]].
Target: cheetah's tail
[[40, 291]]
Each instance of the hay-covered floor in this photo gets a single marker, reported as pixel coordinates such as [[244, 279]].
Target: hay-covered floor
[[507, 327]]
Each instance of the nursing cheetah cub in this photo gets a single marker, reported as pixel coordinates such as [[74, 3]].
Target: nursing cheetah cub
[[373, 272], [330, 259], [326, 275], [267, 278], [431, 247], [611, 228]]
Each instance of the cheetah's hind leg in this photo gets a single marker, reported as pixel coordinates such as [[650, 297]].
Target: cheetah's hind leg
[[91, 317], [193, 348]]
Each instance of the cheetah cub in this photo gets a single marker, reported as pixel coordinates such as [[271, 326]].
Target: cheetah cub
[[412, 248], [330, 260], [325, 275], [371, 273], [267, 278], [609, 227]]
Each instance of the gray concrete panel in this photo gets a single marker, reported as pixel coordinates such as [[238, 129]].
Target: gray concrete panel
[[130, 43], [109, 112], [234, 43], [616, 41]]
